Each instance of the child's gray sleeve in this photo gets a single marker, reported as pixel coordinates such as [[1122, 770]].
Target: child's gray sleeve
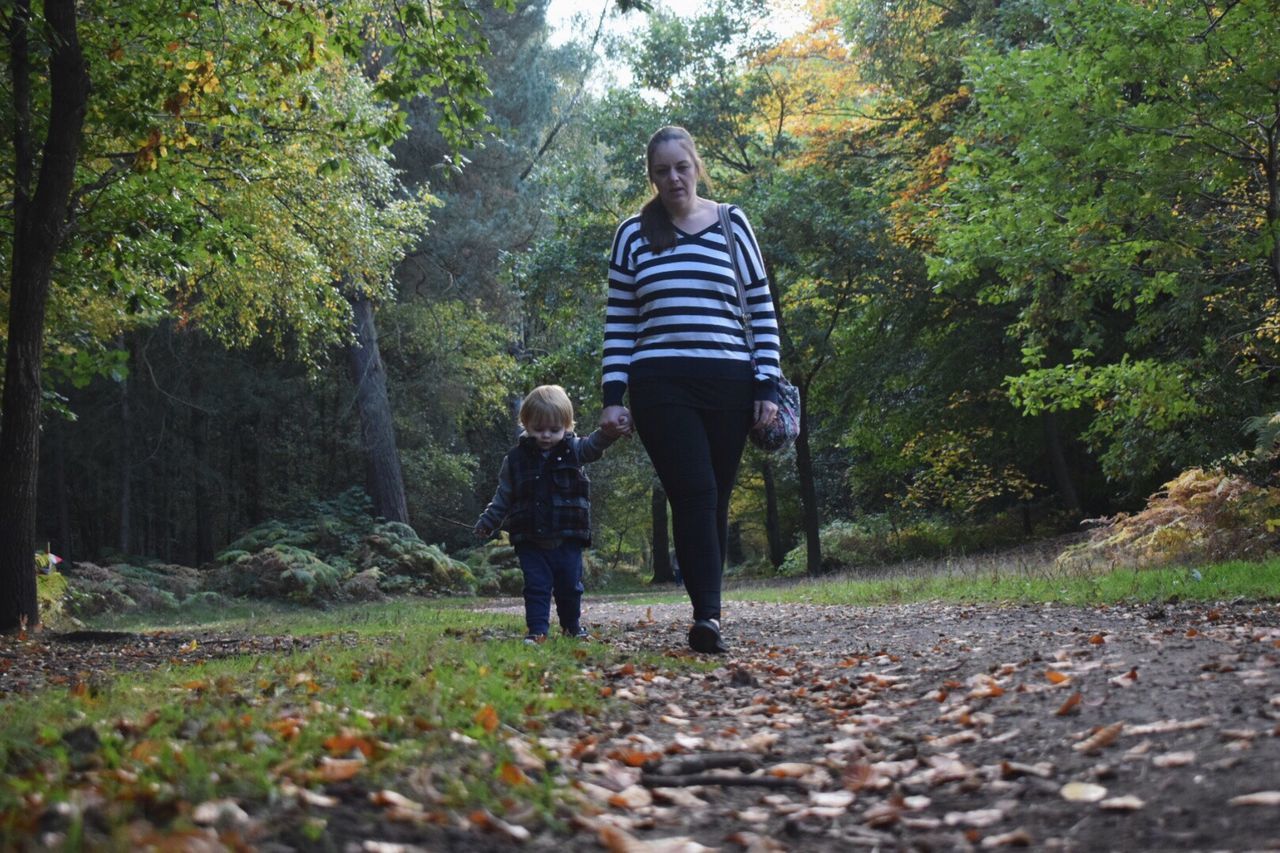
[[592, 447], [496, 512]]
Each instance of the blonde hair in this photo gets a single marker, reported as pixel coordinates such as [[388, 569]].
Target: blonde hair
[[655, 221], [547, 404]]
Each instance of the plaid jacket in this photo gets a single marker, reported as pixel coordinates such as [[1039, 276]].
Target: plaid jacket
[[542, 498]]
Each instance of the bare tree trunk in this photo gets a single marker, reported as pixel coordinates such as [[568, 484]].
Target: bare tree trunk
[[62, 501], [40, 224], [124, 540], [1058, 464], [383, 478], [200, 474], [662, 571], [808, 494], [772, 526]]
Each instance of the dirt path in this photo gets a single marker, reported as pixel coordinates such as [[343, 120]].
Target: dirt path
[[939, 727]]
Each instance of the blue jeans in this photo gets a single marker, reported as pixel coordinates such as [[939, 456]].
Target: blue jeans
[[552, 572]]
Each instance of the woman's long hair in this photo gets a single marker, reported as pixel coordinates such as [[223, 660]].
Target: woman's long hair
[[655, 221]]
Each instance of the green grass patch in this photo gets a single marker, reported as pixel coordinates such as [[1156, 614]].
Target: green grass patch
[[389, 690], [1223, 581]]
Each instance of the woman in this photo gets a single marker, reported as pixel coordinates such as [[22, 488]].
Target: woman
[[674, 345]]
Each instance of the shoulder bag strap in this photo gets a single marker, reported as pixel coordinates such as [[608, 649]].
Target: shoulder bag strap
[[731, 243]]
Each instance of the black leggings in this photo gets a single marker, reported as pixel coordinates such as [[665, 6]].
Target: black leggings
[[696, 453]]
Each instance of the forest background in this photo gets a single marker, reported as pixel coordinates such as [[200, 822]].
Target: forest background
[[1027, 256]]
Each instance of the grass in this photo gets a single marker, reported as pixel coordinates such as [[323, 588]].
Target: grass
[[430, 699], [1035, 584], [393, 689]]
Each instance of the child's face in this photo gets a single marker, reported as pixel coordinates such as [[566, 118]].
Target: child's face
[[547, 435]]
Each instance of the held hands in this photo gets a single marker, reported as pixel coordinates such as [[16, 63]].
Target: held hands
[[764, 412], [616, 421]]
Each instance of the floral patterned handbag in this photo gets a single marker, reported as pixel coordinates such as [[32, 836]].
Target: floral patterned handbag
[[781, 432]]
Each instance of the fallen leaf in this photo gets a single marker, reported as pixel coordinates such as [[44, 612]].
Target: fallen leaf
[[1128, 679], [1083, 792], [881, 814], [1165, 726], [219, 812], [832, 799], [1056, 677], [1258, 798], [487, 718], [1174, 759], [392, 799], [511, 774], [1104, 736], [344, 743], [1012, 769], [976, 818], [487, 820], [1071, 705], [791, 769], [634, 797], [1128, 803], [634, 757], [1017, 838], [1097, 640], [337, 769]]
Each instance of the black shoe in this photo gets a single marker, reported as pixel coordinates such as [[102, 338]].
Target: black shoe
[[704, 636], [581, 634]]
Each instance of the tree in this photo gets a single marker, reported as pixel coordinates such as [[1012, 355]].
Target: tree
[[40, 222], [1127, 223], [239, 201]]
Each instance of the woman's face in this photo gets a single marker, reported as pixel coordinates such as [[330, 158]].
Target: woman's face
[[674, 174]]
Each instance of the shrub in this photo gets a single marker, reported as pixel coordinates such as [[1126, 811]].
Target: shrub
[[278, 572], [94, 589], [1200, 516], [878, 540], [335, 549]]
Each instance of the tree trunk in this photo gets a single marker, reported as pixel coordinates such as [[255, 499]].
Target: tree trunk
[[124, 539], [200, 474], [1058, 464], [62, 499], [808, 494], [40, 223], [383, 479], [772, 526], [662, 571]]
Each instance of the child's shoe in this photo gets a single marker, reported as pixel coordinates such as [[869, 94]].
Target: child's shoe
[[534, 639], [581, 634]]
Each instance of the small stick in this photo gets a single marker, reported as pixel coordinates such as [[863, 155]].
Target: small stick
[[688, 764], [656, 781]]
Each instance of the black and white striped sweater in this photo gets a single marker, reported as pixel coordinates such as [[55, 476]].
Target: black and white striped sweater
[[676, 313]]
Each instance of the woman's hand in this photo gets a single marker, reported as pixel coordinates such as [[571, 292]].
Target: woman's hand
[[616, 421], [765, 411]]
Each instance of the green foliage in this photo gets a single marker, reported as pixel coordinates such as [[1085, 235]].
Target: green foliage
[[880, 540], [122, 587], [1016, 583], [1201, 516], [1117, 261], [51, 596], [417, 685], [497, 568], [333, 550]]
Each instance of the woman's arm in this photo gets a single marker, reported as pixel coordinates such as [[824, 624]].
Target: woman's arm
[[622, 315], [762, 313]]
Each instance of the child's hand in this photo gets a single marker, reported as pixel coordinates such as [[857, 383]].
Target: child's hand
[[482, 533]]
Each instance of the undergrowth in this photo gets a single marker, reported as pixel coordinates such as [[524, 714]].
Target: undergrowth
[[437, 703]]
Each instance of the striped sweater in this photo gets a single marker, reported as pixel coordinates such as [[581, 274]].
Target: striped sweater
[[677, 314]]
